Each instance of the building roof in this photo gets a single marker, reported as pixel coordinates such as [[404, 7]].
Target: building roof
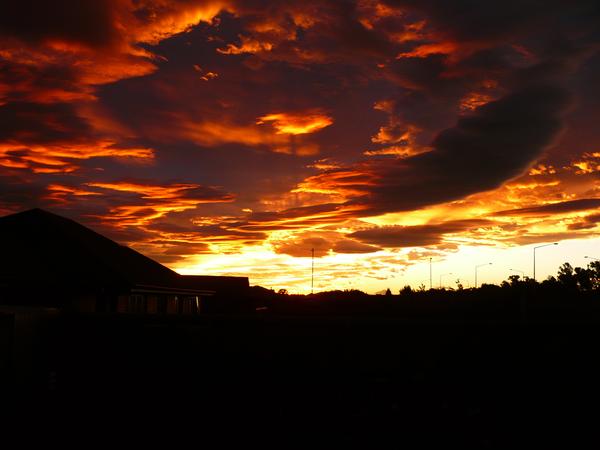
[[47, 248], [43, 251], [220, 284]]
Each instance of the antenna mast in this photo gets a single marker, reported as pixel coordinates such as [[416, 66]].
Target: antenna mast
[[312, 271]]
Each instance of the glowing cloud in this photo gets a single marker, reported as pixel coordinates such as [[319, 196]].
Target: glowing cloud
[[297, 123]]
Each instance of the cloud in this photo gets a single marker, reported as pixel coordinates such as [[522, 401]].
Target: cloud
[[140, 203], [302, 248], [588, 222], [298, 122], [324, 243], [554, 208], [352, 246], [65, 157], [416, 236], [498, 142]]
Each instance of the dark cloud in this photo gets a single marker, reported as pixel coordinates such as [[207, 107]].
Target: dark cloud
[[554, 208], [222, 233], [588, 222], [34, 123], [86, 21], [496, 143], [352, 246], [495, 21], [417, 235], [303, 248], [18, 193]]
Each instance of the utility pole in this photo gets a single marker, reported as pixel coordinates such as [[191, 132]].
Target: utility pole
[[312, 271], [477, 267], [534, 249], [430, 275]]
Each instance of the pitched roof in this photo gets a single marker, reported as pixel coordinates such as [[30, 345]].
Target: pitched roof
[[37, 245]]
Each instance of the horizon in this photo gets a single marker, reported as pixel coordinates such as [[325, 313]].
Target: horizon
[[233, 138]]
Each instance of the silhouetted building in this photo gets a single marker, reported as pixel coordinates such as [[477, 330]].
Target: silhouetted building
[[48, 260]]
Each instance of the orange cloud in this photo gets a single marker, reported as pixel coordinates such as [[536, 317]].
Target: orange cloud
[[213, 133], [474, 100], [345, 183], [103, 49], [297, 123], [403, 135], [60, 193], [163, 18], [161, 192], [61, 158], [147, 202], [425, 50], [248, 45]]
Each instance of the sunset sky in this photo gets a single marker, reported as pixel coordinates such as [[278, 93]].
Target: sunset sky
[[232, 137]]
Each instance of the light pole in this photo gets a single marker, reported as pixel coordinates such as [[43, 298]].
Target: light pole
[[430, 277], [443, 275], [312, 271], [477, 267], [534, 249]]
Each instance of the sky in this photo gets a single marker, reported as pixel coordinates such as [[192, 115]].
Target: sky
[[234, 137]]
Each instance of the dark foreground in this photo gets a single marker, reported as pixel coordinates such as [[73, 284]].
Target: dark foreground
[[480, 383]]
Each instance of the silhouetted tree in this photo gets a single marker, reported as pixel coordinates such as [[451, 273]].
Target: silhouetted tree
[[566, 276], [406, 290], [594, 268]]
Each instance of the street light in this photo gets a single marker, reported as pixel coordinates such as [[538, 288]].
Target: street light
[[477, 267], [443, 275], [430, 278], [534, 249], [589, 257]]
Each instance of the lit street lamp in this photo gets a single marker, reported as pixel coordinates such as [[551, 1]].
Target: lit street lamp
[[443, 275], [534, 249], [477, 267]]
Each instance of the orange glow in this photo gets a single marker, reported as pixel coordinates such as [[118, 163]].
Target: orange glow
[[297, 123], [401, 151], [155, 201], [474, 100], [248, 45], [425, 50], [586, 167], [170, 18], [411, 32], [60, 193], [59, 158], [218, 133], [345, 183], [542, 169], [159, 192]]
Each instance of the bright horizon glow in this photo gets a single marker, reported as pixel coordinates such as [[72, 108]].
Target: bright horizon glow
[[275, 271]]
